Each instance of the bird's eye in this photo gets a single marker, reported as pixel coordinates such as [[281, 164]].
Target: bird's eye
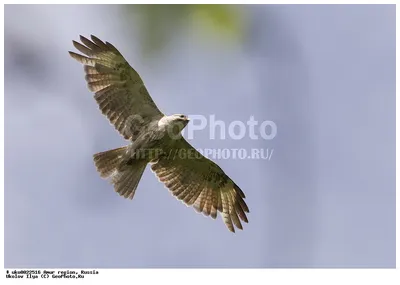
[[182, 116]]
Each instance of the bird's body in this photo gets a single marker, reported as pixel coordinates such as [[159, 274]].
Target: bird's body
[[154, 139]]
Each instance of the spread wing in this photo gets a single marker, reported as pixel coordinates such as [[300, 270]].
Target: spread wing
[[119, 90], [201, 183]]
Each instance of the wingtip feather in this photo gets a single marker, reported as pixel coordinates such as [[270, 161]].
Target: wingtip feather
[[83, 38]]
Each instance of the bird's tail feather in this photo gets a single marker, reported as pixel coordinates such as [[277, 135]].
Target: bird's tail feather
[[107, 161], [125, 174], [126, 179]]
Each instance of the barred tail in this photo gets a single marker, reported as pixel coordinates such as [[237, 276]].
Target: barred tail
[[107, 161], [125, 173]]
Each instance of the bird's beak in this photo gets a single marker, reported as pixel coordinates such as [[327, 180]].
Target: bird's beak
[[187, 119]]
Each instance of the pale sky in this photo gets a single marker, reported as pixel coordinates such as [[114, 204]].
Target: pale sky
[[324, 74]]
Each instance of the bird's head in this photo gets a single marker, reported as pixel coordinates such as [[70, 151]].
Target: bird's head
[[180, 121], [180, 118], [175, 123]]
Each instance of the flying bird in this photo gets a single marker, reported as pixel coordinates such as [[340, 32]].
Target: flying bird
[[154, 138]]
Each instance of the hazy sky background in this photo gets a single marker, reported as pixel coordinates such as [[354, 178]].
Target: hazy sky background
[[324, 74]]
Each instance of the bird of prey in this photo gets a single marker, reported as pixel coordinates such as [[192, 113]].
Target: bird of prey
[[154, 138]]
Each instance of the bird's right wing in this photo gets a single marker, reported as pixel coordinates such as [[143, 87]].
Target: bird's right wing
[[199, 182], [119, 90]]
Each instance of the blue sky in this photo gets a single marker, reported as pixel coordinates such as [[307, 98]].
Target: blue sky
[[324, 74]]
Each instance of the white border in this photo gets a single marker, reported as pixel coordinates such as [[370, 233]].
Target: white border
[[225, 276]]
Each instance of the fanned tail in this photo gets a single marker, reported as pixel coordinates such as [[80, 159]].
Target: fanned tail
[[107, 161], [125, 174]]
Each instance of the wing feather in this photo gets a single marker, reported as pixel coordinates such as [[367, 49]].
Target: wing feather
[[202, 184], [93, 46], [119, 90], [99, 43]]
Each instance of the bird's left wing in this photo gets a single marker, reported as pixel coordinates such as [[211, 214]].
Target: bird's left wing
[[120, 92], [201, 183]]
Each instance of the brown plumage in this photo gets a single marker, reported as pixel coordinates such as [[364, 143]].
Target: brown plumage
[[123, 98]]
